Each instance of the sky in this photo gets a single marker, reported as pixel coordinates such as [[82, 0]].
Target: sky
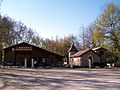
[[51, 18]]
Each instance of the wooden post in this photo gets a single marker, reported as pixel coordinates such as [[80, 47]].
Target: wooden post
[[71, 65], [32, 63], [70, 60], [25, 64], [89, 60]]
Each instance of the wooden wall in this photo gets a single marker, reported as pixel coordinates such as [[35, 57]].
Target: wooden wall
[[18, 53]]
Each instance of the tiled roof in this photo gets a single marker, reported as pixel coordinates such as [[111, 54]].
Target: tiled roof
[[73, 48], [80, 53]]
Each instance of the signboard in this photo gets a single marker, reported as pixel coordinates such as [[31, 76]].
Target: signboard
[[23, 48]]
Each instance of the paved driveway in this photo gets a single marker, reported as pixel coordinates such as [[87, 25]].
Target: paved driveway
[[59, 79]]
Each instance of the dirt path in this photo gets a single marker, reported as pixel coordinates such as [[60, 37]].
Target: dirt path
[[59, 79]]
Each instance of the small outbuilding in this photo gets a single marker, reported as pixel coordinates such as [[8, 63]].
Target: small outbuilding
[[88, 57], [27, 55]]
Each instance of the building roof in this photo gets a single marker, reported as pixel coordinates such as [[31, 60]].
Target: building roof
[[81, 53], [97, 48], [23, 43], [73, 48]]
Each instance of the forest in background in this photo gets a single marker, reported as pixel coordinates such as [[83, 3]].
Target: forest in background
[[104, 31]]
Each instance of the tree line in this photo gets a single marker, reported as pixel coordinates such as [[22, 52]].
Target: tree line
[[104, 31]]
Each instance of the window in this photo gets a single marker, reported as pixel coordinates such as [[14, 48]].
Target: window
[[43, 60], [90, 57]]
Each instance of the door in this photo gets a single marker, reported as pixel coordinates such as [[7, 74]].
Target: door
[[29, 62], [90, 61]]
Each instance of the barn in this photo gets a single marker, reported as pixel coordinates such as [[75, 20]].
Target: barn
[[24, 54]]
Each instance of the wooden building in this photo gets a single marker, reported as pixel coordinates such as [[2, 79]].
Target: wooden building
[[24, 54], [0, 57], [102, 53], [87, 58]]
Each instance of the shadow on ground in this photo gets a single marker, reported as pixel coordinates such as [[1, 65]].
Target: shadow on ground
[[58, 79]]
